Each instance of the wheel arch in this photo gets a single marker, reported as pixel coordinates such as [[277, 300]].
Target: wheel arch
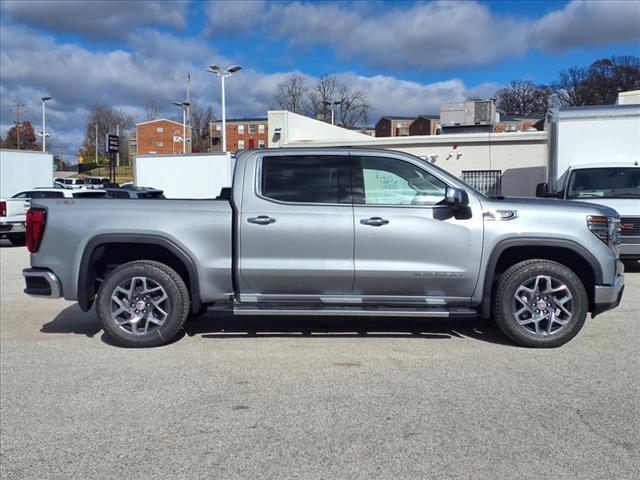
[[155, 248], [508, 252]]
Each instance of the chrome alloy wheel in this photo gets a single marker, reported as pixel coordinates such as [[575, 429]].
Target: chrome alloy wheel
[[543, 305], [139, 305]]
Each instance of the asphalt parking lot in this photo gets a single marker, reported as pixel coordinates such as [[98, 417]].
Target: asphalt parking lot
[[254, 398]]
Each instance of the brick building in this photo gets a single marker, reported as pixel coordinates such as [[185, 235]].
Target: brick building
[[389, 126], [160, 137], [242, 133], [425, 125], [511, 123]]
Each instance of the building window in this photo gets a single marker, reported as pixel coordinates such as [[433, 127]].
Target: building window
[[488, 182], [261, 128], [252, 128], [159, 144], [159, 129], [218, 127], [260, 143], [240, 144], [240, 128]]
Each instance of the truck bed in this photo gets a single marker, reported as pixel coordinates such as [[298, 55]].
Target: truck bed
[[198, 229]]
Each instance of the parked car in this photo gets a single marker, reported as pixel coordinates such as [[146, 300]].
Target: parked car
[[13, 210], [133, 192], [330, 231], [68, 182], [97, 182]]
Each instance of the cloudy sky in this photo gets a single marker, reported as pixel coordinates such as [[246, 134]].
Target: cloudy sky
[[408, 56]]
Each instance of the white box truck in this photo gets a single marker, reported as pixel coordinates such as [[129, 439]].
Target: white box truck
[[20, 170], [594, 156], [196, 175]]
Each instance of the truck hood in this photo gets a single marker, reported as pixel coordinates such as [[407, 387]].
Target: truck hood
[[545, 204], [626, 207]]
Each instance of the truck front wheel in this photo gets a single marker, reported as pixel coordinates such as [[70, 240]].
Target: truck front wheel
[[540, 303], [142, 304]]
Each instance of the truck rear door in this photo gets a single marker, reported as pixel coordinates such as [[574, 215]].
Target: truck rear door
[[296, 228]]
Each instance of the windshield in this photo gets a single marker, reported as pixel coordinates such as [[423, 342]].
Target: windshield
[[604, 183]]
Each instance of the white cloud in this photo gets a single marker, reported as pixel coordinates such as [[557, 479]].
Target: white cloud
[[97, 19], [587, 23], [435, 35], [154, 67], [234, 15]]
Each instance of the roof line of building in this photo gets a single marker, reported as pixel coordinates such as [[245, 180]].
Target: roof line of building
[[160, 120]]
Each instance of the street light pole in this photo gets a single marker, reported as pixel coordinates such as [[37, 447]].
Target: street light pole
[[222, 74], [185, 107], [44, 131]]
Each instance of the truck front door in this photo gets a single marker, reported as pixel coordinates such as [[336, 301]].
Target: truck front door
[[409, 245], [296, 228]]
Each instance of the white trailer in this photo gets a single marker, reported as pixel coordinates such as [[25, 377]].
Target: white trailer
[[24, 170], [595, 134], [594, 156], [197, 175]]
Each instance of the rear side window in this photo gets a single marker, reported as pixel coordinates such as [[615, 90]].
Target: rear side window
[[36, 195], [89, 195], [148, 195], [22, 195], [118, 194], [304, 178]]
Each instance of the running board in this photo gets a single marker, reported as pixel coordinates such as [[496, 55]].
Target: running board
[[363, 311]]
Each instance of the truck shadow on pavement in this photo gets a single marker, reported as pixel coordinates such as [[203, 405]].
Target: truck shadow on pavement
[[222, 325], [218, 325]]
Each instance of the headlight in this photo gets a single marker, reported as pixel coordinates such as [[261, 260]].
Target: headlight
[[606, 229]]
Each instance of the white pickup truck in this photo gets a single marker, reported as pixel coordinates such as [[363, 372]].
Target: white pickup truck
[[13, 210]]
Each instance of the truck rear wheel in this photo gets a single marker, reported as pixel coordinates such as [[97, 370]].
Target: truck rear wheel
[[142, 304], [540, 303]]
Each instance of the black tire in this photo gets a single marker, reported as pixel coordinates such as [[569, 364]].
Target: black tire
[[176, 305], [17, 239], [505, 304]]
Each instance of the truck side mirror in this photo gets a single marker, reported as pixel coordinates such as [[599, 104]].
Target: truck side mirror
[[456, 197], [543, 190]]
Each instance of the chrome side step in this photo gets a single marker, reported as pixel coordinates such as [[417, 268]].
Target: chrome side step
[[361, 311]]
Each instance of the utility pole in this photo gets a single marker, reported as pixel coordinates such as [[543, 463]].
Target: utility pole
[[118, 154], [189, 99], [96, 143]]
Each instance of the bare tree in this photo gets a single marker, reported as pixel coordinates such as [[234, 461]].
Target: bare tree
[[107, 119], [522, 97], [354, 108], [570, 87], [201, 120], [291, 94], [151, 110], [324, 93], [600, 83]]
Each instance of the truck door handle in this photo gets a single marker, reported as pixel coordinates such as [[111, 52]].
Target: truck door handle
[[261, 220], [374, 221]]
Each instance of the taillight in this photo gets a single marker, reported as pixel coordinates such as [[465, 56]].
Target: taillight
[[3, 209], [35, 228]]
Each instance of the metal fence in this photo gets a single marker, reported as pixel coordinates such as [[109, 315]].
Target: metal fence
[[488, 182]]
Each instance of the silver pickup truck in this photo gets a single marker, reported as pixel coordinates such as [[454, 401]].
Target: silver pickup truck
[[339, 231]]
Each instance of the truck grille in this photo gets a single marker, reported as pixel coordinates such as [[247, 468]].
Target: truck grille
[[629, 226]]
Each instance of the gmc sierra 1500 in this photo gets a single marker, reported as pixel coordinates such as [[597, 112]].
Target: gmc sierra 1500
[[338, 231]]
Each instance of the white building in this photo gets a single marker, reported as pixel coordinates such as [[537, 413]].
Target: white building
[[517, 160]]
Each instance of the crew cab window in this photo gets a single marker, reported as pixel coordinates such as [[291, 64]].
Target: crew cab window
[[303, 178], [36, 195], [389, 181], [90, 195], [116, 194]]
